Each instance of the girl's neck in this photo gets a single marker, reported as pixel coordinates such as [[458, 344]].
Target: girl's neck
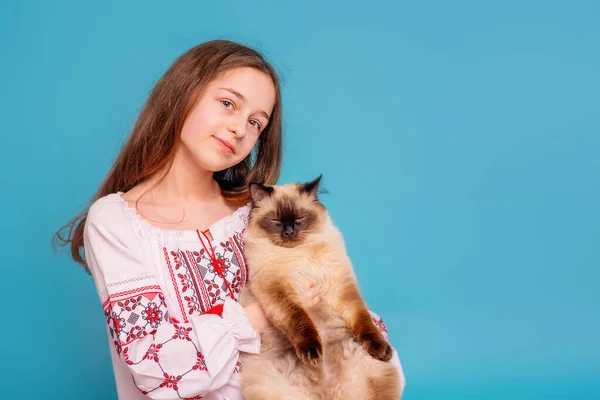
[[185, 182], [182, 198]]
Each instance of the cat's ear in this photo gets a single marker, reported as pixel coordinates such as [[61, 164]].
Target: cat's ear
[[311, 187], [259, 192]]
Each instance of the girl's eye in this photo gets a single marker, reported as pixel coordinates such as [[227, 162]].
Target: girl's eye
[[227, 103], [255, 124]]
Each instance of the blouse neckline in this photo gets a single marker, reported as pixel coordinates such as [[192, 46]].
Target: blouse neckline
[[236, 221]]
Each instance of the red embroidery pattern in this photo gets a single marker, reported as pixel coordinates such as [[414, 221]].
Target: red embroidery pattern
[[142, 330], [380, 325], [201, 288], [188, 283], [217, 263], [140, 316], [239, 252], [134, 317], [170, 268], [201, 280], [153, 290], [238, 368]]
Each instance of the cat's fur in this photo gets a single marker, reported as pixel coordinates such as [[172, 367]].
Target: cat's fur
[[331, 351]]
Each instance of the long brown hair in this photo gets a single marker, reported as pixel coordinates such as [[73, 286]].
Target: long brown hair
[[153, 141]]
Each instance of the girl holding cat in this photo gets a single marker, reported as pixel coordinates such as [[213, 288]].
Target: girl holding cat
[[163, 238]]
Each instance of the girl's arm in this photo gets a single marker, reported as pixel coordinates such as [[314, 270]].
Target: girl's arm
[[167, 359]]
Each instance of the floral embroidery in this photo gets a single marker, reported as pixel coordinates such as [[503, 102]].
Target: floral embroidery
[[130, 319], [380, 325], [199, 362], [236, 283], [152, 315], [188, 279], [171, 381], [126, 356], [197, 279], [138, 314], [118, 323], [182, 333], [239, 252], [152, 353]]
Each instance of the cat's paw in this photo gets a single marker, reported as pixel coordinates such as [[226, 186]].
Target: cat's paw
[[309, 350], [377, 346]]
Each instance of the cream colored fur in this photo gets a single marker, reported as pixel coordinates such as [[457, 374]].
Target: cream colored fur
[[345, 370]]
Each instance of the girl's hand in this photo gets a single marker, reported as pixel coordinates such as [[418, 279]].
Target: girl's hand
[[309, 297], [257, 317]]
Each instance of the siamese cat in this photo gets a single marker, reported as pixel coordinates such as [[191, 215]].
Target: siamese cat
[[332, 350]]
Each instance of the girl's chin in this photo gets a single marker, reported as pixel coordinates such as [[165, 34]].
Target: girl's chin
[[217, 165]]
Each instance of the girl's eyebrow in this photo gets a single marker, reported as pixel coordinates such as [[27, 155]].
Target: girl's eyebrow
[[243, 98]]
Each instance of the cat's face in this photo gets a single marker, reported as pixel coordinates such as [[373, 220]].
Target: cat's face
[[287, 215]]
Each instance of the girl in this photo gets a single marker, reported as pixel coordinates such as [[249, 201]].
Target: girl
[[163, 238]]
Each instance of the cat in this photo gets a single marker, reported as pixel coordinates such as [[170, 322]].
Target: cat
[[332, 350]]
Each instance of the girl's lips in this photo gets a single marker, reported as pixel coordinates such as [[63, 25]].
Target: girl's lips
[[225, 145]]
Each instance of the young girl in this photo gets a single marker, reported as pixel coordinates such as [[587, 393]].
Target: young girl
[[163, 238]]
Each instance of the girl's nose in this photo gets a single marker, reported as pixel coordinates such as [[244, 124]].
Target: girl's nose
[[237, 126]]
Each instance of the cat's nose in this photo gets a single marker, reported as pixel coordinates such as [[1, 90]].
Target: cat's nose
[[288, 230]]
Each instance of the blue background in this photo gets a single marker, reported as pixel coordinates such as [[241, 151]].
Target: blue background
[[459, 142]]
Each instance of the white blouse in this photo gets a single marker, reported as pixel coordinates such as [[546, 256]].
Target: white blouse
[[169, 297]]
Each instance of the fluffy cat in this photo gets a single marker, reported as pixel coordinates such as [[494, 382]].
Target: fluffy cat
[[330, 351]]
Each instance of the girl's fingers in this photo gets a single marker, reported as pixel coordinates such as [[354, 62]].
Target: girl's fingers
[[311, 295]]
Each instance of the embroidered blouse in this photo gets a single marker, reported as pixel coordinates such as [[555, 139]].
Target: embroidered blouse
[[174, 325]]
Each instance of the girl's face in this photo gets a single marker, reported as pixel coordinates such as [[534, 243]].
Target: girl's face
[[227, 119]]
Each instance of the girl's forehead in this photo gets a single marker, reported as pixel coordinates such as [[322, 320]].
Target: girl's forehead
[[244, 76], [249, 85]]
